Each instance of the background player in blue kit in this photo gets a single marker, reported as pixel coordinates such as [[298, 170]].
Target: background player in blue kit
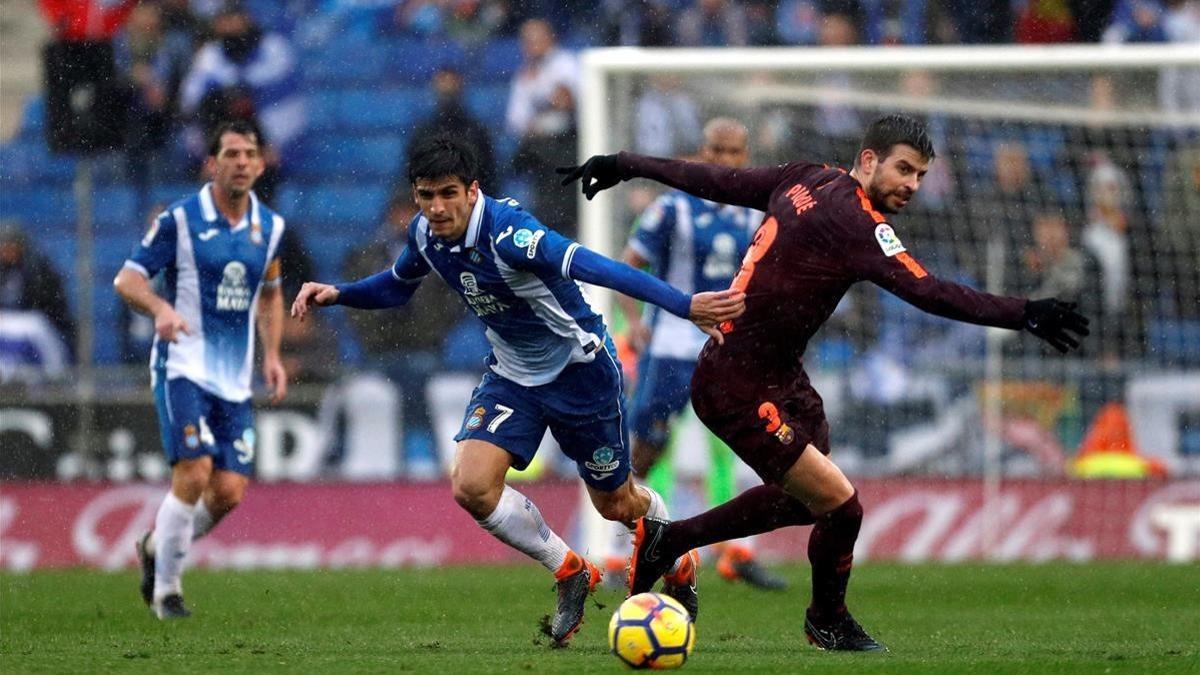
[[695, 245], [552, 363], [218, 252]]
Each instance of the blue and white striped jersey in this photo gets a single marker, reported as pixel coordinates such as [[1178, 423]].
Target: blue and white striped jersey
[[511, 271], [695, 245], [213, 274]]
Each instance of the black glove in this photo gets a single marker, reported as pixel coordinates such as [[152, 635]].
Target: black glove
[[600, 172], [1050, 320]]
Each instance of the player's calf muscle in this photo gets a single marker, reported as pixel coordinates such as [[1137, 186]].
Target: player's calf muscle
[[817, 482]]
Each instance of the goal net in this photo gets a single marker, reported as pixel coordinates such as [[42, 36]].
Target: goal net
[[1071, 172]]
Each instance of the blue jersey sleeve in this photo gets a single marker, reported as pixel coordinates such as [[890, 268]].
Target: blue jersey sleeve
[[523, 243], [411, 266], [651, 237], [157, 249]]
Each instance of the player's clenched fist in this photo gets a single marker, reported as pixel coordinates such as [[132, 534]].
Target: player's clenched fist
[[313, 294], [710, 309]]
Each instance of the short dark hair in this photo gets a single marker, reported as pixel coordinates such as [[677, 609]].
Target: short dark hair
[[441, 155], [240, 127], [887, 132]]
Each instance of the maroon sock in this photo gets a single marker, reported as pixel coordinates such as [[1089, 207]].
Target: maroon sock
[[757, 510], [831, 553]]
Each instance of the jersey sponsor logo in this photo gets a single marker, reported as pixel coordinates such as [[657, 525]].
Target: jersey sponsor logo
[[603, 463], [476, 419], [208, 234], [532, 250], [233, 293], [802, 199], [480, 302], [888, 241], [722, 259]]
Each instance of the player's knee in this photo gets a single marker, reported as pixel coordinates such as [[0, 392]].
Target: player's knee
[[189, 479], [224, 500], [477, 497]]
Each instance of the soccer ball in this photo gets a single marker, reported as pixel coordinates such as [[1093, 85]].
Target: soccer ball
[[653, 631]]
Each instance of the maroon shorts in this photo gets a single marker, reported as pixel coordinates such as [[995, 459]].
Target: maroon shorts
[[767, 424]]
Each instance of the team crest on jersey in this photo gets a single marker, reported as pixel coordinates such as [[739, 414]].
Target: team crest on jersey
[[603, 463], [888, 241], [481, 302], [528, 240], [476, 419], [476, 256], [233, 294], [256, 237], [191, 437]]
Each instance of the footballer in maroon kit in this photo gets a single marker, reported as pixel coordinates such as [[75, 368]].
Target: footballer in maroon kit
[[825, 230]]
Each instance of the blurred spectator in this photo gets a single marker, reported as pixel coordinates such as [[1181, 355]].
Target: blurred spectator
[[798, 22], [1136, 21], [451, 116], [86, 20], [467, 22], [713, 23], [1116, 317], [545, 68], [245, 73], [413, 332], [667, 123], [29, 283], [760, 22], [982, 21], [405, 343], [152, 63], [1179, 86], [646, 23], [1053, 269], [1003, 206], [541, 113], [1108, 200], [1045, 21], [179, 21]]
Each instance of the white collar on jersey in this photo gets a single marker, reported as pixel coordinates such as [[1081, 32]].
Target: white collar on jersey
[[209, 209], [472, 238]]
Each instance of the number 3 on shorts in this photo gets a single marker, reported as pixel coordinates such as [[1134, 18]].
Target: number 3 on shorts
[[505, 413]]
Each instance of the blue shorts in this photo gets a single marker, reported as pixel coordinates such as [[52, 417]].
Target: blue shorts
[[664, 387], [583, 408], [194, 423]]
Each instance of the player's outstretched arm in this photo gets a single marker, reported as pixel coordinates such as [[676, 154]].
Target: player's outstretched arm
[[741, 187], [704, 309], [378, 291]]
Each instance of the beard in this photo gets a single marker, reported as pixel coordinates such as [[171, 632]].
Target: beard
[[879, 198]]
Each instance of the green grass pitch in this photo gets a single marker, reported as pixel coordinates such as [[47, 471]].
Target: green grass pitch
[[1093, 618]]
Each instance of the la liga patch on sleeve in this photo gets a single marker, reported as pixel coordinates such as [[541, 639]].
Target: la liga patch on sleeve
[[888, 241]]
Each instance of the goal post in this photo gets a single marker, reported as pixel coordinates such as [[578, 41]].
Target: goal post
[[1063, 170]]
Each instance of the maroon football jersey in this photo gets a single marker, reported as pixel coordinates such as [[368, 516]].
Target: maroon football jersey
[[820, 236]]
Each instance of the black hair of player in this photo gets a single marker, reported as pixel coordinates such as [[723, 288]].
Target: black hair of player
[[440, 156], [240, 127], [887, 132]]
